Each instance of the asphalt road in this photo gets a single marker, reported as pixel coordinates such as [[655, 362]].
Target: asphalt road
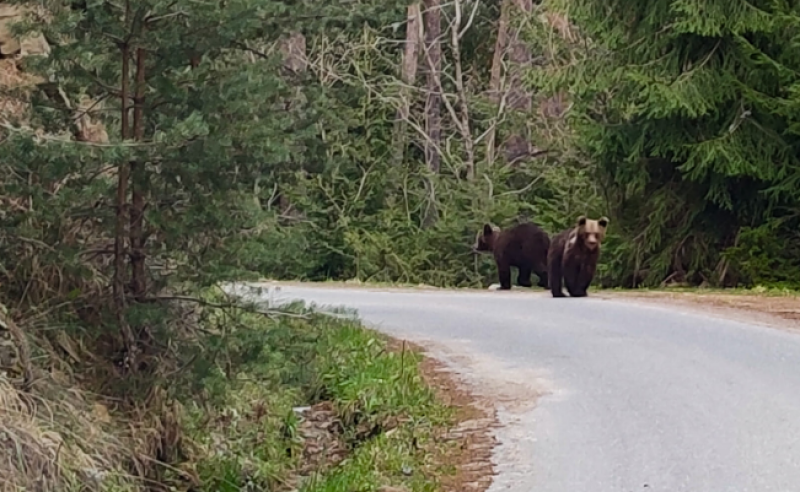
[[630, 396]]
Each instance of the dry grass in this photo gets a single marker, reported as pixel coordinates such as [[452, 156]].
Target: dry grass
[[59, 444], [10, 77], [13, 103]]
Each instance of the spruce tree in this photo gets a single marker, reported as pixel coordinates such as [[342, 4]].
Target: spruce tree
[[689, 110]]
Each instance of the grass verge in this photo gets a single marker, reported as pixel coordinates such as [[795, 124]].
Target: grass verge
[[289, 401], [304, 401]]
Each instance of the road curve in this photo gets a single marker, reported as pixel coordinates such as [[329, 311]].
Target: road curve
[[627, 396]]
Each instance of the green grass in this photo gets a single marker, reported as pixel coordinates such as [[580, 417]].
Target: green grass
[[251, 372]]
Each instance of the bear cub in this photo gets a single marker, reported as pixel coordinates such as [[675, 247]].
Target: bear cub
[[523, 246], [573, 256]]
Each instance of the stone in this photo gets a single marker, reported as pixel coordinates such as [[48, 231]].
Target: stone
[[9, 44]]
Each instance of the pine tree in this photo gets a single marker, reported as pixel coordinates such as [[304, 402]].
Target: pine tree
[[199, 107]]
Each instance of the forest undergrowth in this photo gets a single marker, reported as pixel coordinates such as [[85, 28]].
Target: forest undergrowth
[[287, 400]]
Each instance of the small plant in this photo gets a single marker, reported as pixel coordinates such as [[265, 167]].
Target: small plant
[[764, 256]]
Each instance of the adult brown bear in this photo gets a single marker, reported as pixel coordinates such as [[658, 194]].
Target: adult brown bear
[[523, 246], [573, 256]]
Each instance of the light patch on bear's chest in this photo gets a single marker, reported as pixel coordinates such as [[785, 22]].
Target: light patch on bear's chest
[[572, 241]]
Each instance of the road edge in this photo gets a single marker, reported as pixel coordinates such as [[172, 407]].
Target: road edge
[[700, 306], [470, 443], [694, 303]]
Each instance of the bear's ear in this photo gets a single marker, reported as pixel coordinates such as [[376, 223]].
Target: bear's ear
[[581, 221], [488, 229], [603, 222]]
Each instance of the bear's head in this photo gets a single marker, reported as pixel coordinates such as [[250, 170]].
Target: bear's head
[[485, 239], [590, 233]]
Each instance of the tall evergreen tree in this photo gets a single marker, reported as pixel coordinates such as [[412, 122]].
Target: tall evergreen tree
[[689, 109], [200, 108]]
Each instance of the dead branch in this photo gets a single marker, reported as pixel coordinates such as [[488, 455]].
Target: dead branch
[[247, 307]]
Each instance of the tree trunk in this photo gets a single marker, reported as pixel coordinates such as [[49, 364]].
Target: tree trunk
[[118, 285], [408, 76], [495, 81], [139, 184], [517, 146], [433, 106], [432, 19], [122, 192], [462, 120], [123, 176]]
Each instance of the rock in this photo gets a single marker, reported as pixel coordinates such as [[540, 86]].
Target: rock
[[9, 44], [387, 488], [101, 413], [321, 431]]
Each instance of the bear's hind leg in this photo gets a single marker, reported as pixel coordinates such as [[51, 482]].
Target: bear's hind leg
[[541, 272], [524, 277]]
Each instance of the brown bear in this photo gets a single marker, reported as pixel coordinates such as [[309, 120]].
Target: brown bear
[[523, 246], [573, 256]]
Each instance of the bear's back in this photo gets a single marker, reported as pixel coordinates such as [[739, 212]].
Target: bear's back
[[523, 244]]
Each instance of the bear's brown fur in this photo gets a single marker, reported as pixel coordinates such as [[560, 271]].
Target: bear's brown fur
[[573, 256], [523, 246]]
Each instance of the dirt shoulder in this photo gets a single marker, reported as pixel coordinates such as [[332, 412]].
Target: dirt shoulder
[[462, 455], [772, 310]]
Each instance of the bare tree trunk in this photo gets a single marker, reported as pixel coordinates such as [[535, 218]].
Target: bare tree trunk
[[139, 175], [462, 120], [432, 19], [408, 76], [433, 110], [518, 144], [496, 75]]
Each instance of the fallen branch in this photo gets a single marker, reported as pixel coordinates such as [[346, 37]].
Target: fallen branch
[[227, 305]]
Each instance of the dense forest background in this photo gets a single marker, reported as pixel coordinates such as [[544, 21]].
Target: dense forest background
[[153, 148], [372, 140]]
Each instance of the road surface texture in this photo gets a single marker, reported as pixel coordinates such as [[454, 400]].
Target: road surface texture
[[599, 395]]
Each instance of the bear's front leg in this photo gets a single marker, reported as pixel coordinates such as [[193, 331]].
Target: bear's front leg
[[504, 272]]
